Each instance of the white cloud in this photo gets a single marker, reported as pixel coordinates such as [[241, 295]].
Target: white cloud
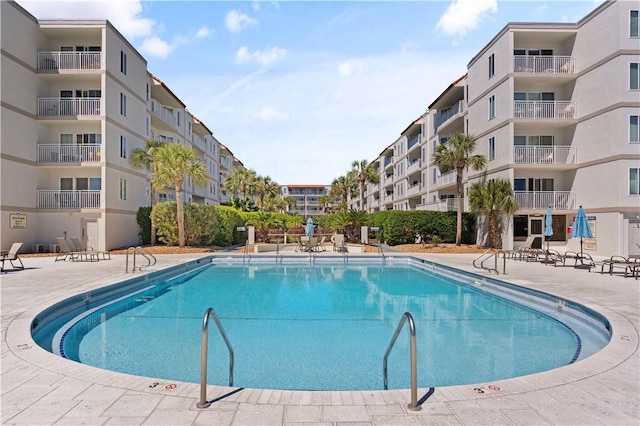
[[271, 113], [236, 21], [154, 46], [350, 68], [126, 15], [263, 58], [204, 32], [463, 16]]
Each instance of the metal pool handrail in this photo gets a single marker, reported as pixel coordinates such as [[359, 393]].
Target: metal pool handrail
[[203, 403], [151, 259], [413, 405]]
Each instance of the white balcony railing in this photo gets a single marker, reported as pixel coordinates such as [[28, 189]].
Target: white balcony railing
[[544, 109], [544, 155], [540, 200], [447, 114], [56, 153], [55, 199], [446, 205], [544, 64], [446, 179], [51, 61], [413, 189], [199, 142], [62, 107], [413, 166], [164, 113]]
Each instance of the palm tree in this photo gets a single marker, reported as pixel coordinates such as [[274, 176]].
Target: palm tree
[[172, 162], [289, 202], [240, 182], [326, 202], [364, 173], [493, 199], [455, 154], [265, 187], [143, 158], [342, 187]]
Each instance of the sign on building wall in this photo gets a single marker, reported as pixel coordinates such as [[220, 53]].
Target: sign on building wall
[[590, 243], [17, 221]]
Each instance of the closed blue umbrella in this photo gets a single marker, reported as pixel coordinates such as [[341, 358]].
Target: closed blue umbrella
[[309, 228], [580, 228], [548, 226]]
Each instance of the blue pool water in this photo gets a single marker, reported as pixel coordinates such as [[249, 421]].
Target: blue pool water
[[324, 327]]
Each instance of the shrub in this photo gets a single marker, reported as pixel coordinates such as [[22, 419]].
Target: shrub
[[143, 217], [200, 223], [229, 219]]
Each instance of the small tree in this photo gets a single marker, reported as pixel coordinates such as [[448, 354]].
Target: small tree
[[493, 199], [143, 158], [456, 154], [364, 172], [172, 162]]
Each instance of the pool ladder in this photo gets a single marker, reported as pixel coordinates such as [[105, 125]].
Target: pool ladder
[[151, 259], [487, 256], [413, 405], [203, 403]]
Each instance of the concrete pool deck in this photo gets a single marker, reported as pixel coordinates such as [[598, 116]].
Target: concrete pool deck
[[39, 388]]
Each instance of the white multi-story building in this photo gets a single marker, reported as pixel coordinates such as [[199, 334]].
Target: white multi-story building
[[555, 109], [76, 100], [307, 198]]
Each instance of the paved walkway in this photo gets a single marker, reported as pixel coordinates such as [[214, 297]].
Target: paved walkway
[[39, 388]]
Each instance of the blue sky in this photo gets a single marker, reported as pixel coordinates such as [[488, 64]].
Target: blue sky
[[298, 90]]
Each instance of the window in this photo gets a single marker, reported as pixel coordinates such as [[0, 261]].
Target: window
[[634, 120], [492, 107], [123, 104], [88, 138], [147, 92], [189, 126], [634, 26], [634, 184], [492, 148], [123, 62], [634, 83], [492, 65], [178, 119], [123, 189], [147, 126], [123, 146]]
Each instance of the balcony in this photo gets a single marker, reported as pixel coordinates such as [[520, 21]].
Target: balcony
[[544, 64], [448, 178], [447, 205], [413, 190], [541, 200], [55, 199], [387, 161], [163, 113], [544, 155], [199, 142], [544, 109], [447, 114], [68, 107], [61, 154], [54, 61], [413, 166], [412, 141]]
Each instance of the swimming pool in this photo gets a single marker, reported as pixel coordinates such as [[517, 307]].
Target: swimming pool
[[322, 326]]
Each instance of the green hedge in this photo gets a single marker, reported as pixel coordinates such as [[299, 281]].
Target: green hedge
[[200, 223], [217, 225], [404, 227]]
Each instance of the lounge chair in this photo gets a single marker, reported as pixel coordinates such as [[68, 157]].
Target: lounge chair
[[299, 246], [321, 246], [629, 266], [518, 252], [12, 256], [80, 247], [68, 251], [338, 242]]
